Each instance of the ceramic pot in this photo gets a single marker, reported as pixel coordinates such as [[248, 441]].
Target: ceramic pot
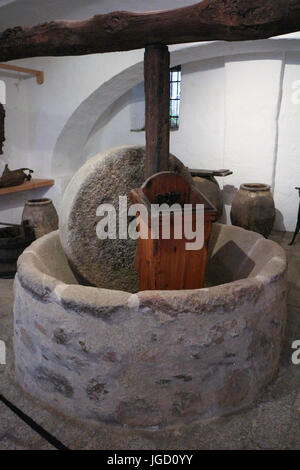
[[42, 216], [253, 208]]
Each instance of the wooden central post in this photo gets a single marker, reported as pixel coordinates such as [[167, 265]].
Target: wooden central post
[[157, 93]]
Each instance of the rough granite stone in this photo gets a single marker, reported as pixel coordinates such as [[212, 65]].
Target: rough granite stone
[[154, 358], [103, 178]]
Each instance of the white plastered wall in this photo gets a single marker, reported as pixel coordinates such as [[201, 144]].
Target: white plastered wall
[[236, 113]]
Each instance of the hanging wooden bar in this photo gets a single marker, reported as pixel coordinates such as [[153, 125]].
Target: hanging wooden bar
[[208, 20]]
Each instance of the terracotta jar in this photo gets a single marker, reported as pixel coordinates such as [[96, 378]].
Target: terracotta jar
[[42, 216], [253, 208]]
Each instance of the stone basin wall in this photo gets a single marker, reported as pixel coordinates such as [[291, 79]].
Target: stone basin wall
[[154, 358]]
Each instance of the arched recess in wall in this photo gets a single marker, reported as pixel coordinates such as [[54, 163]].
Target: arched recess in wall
[[68, 152]]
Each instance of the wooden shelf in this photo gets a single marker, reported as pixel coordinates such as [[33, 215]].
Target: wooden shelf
[[34, 183], [39, 74]]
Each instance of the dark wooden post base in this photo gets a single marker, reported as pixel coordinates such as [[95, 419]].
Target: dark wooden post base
[[157, 92], [2, 133], [298, 223]]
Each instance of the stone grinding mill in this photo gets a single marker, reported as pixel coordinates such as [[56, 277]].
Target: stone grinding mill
[[162, 335], [208, 20]]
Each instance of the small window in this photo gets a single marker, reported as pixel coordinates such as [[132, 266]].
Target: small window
[[137, 102], [175, 89]]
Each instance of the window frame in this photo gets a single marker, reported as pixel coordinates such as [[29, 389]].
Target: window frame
[[175, 117]]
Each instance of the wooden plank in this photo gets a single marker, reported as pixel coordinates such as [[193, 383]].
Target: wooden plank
[[208, 20], [209, 173], [165, 263], [27, 185], [157, 94]]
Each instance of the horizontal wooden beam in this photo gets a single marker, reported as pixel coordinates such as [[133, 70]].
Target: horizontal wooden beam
[[229, 20], [39, 74]]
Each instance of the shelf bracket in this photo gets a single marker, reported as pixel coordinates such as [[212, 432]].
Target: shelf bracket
[[39, 74]]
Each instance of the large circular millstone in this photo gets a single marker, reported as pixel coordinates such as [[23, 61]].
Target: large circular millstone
[[101, 180]]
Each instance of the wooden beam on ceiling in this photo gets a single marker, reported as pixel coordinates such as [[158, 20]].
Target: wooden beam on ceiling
[[209, 20]]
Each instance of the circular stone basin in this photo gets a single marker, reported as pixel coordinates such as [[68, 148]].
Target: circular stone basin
[[154, 358]]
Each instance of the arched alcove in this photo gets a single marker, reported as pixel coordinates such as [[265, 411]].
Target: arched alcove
[[256, 86], [67, 155]]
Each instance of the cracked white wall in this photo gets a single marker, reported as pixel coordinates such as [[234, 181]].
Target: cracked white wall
[[287, 174], [252, 97], [237, 113]]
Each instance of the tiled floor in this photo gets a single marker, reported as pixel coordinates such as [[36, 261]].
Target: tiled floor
[[272, 423]]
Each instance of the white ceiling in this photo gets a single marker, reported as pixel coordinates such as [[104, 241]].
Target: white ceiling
[[31, 12]]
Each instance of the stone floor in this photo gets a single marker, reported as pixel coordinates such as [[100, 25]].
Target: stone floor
[[272, 423]]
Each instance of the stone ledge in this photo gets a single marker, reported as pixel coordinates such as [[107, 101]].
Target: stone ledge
[[155, 358]]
